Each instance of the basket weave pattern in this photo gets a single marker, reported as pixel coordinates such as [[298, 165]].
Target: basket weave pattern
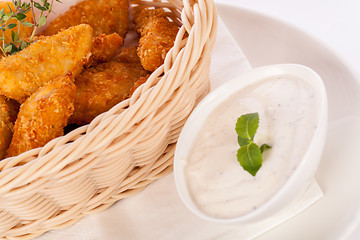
[[122, 150]]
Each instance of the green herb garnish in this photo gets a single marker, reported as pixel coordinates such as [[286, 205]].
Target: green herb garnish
[[18, 13], [249, 154]]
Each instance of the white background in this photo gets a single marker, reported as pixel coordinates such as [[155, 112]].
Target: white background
[[334, 22]]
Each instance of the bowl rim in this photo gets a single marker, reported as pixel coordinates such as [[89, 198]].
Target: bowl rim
[[289, 190]]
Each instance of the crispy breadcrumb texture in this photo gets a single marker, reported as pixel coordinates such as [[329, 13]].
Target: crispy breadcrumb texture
[[22, 74], [102, 87], [157, 37], [138, 83], [25, 31], [104, 16], [6, 126], [43, 116], [104, 48], [143, 16]]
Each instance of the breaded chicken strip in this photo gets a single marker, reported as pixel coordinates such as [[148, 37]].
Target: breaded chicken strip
[[25, 31], [43, 116], [157, 36], [104, 48], [22, 74], [104, 16], [142, 17], [102, 87], [6, 126]]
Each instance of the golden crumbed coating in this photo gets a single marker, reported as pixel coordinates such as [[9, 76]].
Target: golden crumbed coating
[[6, 126], [100, 88], [35, 38], [23, 73], [138, 83], [25, 31], [157, 37], [104, 48], [143, 16], [43, 116], [104, 16]]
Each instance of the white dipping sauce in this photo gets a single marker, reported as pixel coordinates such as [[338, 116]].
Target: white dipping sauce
[[288, 110]]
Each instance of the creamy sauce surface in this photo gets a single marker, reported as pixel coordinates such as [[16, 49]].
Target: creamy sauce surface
[[288, 110]]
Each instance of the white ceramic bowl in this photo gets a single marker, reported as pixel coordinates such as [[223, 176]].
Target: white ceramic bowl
[[301, 177]]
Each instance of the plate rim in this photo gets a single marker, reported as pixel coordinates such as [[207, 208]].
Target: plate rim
[[334, 52]]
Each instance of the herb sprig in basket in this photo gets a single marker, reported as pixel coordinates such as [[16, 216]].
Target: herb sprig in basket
[[18, 12]]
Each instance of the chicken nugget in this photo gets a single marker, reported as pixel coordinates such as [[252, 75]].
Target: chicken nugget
[[157, 37], [6, 126], [43, 116], [104, 48], [22, 74], [25, 31], [104, 16], [100, 88]]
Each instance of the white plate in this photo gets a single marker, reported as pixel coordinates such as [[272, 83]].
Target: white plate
[[265, 41]]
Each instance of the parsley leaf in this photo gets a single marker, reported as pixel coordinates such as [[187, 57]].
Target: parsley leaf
[[249, 154], [247, 125]]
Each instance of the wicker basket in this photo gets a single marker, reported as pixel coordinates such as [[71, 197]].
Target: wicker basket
[[122, 150]]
